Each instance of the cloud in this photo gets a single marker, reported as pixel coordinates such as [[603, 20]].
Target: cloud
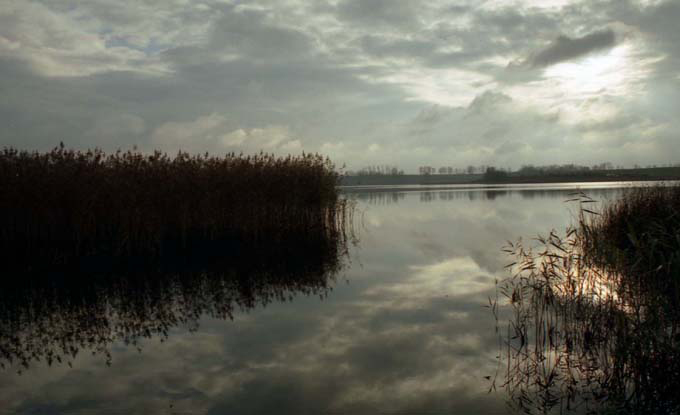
[[112, 127], [213, 132], [387, 13], [55, 44], [509, 147], [427, 119], [185, 134], [565, 48], [489, 101], [250, 34], [342, 75]]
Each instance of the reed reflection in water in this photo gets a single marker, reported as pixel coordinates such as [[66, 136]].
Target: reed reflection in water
[[393, 196], [51, 315]]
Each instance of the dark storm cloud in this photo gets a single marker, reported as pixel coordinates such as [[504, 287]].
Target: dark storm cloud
[[565, 48]]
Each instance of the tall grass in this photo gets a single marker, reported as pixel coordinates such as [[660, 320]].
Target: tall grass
[[99, 248], [66, 205], [594, 314], [638, 236]]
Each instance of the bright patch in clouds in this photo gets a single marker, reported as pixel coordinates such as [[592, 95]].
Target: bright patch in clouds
[[612, 73], [213, 132], [589, 89], [448, 87], [540, 4]]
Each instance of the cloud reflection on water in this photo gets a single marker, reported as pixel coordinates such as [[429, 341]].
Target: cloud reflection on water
[[407, 333]]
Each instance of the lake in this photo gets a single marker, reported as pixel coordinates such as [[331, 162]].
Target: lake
[[402, 328]]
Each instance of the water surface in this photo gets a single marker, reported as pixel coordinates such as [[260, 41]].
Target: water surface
[[401, 329]]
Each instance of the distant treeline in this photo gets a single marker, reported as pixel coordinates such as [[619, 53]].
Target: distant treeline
[[576, 172], [527, 174], [67, 204], [525, 170], [531, 170], [377, 170]]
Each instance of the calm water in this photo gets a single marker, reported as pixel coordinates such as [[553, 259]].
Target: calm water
[[402, 329]]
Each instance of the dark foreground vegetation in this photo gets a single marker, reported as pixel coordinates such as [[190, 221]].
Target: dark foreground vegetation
[[68, 206], [98, 249], [595, 314]]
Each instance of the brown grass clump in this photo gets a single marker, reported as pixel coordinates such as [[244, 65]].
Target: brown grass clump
[[638, 236], [594, 321], [67, 205]]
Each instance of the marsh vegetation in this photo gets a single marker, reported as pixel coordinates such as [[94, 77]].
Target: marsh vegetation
[[99, 249], [594, 313], [67, 206]]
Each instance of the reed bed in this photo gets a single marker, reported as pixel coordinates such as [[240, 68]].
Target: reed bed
[[638, 236], [100, 249], [65, 205], [593, 315]]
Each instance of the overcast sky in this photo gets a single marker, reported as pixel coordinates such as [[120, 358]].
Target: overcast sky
[[409, 83]]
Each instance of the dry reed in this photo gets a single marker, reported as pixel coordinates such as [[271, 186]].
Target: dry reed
[[593, 324], [66, 205], [99, 248]]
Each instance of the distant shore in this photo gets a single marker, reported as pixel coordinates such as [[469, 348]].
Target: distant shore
[[623, 175]]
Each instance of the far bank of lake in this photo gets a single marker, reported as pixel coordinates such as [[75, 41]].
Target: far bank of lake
[[616, 175]]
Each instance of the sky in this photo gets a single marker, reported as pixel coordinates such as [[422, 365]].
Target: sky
[[405, 83]]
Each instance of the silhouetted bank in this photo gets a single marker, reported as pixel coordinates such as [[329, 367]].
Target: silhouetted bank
[[646, 174], [595, 314]]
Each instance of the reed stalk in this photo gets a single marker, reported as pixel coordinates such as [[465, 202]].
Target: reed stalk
[[593, 314]]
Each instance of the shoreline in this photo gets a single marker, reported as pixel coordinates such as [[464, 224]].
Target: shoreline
[[478, 180], [505, 185]]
